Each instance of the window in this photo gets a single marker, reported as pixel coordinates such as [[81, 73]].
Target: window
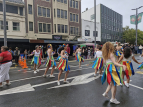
[[65, 1], [59, 28], [44, 12], [30, 26], [61, 1], [70, 3], [44, 27], [92, 17], [58, 0], [76, 4], [21, 11], [76, 18], [73, 3], [77, 31], [87, 32], [65, 14], [39, 11], [94, 33], [48, 12], [58, 13], [70, 16], [62, 28], [62, 14], [66, 29], [12, 9], [55, 28], [54, 13], [71, 30], [40, 27], [49, 27], [16, 26], [30, 9], [1, 25]]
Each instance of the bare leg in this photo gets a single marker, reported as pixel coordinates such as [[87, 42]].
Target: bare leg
[[60, 75], [113, 91], [34, 67], [96, 71], [128, 80], [100, 71], [123, 75], [1, 83], [79, 64], [66, 74], [108, 88], [38, 66], [52, 70], [46, 70], [7, 81]]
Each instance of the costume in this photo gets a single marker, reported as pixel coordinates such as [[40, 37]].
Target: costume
[[63, 64], [118, 53], [79, 58], [36, 59], [141, 66], [98, 63], [111, 74], [59, 57], [50, 63]]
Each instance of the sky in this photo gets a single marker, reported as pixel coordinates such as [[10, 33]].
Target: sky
[[122, 7]]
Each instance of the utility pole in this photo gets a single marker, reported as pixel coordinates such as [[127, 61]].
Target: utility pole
[[95, 19], [4, 23]]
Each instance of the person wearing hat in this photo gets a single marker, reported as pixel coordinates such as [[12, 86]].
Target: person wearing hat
[[16, 55]]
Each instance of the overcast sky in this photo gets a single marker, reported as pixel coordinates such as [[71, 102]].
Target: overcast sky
[[121, 6]]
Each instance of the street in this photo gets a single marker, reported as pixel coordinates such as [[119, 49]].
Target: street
[[85, 90]]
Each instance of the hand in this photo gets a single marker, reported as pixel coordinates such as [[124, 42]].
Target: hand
[[124, 67], [139, 62]]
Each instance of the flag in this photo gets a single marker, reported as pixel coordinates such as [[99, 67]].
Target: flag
[[133, 19], [140, 17]]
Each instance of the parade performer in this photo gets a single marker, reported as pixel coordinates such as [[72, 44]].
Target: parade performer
[[5, 64], [50, 62], [118, 52], [63, 64], [110, 73], [36, 59], [126, 60], [98, 63], [78, 56], [59, 56]]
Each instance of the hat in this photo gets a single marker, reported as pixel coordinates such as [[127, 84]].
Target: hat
[[16, 47]]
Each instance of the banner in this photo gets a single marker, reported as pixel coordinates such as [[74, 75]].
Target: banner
[[133, 18]]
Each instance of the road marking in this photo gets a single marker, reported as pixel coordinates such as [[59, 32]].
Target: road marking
[[139, 72], [42, 75], [136, 86]]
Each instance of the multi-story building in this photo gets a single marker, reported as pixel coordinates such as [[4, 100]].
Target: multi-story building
[[53, 19], [111, 22]]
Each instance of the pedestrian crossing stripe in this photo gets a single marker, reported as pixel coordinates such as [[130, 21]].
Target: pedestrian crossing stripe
[[139, 72]]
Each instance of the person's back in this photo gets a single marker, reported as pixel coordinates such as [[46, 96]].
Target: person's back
[[6, 57]]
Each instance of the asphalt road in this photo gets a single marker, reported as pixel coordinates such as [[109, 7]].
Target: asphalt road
[[85, 90]]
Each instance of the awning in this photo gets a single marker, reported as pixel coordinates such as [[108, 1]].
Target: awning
[[14, 40], [55, 41]]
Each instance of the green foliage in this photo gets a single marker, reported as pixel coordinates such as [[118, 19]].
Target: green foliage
[[130, 35]]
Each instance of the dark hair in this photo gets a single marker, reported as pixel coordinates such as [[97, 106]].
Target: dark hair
[[127, 52], [9, 47], [60, 49], [78, 46], [5, 48], [99, 47]]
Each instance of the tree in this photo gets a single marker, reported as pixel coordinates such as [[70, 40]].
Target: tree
[[130, 35]]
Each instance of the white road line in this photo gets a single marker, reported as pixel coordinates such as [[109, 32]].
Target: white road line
[[136, 86], [42, 75]]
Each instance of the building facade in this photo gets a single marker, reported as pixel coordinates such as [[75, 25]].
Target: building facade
[[88, 31], [111, 22]]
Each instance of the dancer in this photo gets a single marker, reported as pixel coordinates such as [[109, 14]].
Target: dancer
[[50, 61], [5, 64], [36, 59], [126, 58], [98, 63], [119, 49], [63, 64], [110, 73], [79, 58]]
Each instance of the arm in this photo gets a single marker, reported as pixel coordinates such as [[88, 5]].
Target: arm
[[136, 60], [32, 53], [1, 58], [49, 53], [120, 59], [113, 60], [75, 52], [62, 52]]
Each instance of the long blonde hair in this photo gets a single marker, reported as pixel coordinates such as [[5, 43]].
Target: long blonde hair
[[107, 49]]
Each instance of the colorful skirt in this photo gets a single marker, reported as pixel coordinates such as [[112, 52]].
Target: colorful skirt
[[79, 58], [36, 60], [141, 66], [111, 74], [50, 63], [98, 63], [129, 71], [118, 53], [59, 57], [63, 64]]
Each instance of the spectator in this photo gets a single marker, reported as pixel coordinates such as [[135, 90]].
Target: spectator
[[25, 53], [16, 55], [132, 48], [83, 52], [136, 49], [10, 50], [5, 61], [89, 53], [140, 49], [28, 54]]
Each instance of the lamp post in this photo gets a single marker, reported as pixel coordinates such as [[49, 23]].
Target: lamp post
[[4, 23], [95, 19], [137, 22]]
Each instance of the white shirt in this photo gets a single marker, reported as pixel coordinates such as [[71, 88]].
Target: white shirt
[[37, 53], [98, 54], [129, 59], [140, 47], [108, 61]]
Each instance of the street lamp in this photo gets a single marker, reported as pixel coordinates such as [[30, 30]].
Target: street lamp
[[137, 21], [4, 23]]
